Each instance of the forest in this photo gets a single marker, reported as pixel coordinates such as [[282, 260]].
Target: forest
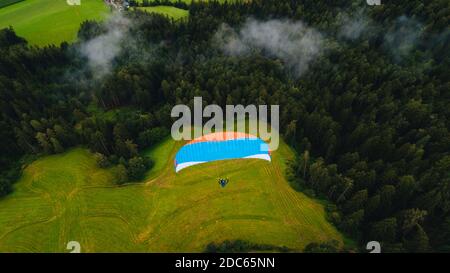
[[364, 100]]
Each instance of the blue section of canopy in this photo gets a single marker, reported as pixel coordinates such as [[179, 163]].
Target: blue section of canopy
[[221, 150]]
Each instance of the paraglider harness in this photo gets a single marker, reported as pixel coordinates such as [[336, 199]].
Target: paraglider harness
[[223, 182]]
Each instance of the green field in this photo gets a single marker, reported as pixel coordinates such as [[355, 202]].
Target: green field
[[173, 1], [66, 197], [44, 22], [188, 1], [172, 12]]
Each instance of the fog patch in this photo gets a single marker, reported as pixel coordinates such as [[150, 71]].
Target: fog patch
[[296, 44], [101, 51], [402, 37], [353, 26]]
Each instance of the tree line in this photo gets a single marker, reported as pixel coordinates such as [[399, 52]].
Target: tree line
[[371, 132]]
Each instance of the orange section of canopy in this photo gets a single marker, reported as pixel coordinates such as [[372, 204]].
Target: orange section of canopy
[[221, 136]]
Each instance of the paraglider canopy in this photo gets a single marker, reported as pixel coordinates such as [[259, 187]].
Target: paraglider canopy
[[221, 146]]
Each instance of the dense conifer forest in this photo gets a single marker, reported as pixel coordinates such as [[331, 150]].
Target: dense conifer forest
[[366, 105]]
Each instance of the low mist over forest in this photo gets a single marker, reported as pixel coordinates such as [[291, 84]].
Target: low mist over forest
[[364, 97]]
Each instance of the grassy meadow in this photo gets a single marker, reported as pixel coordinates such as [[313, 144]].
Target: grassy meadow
[[44, 22], [66, 197], [171, 12]]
